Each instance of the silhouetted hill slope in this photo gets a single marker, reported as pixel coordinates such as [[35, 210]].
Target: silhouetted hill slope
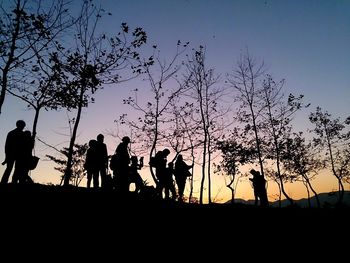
[[326, 200], [55, 214], [75, 197], [42, 215]]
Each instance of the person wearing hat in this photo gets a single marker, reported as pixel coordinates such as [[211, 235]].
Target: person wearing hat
[[121, 171]]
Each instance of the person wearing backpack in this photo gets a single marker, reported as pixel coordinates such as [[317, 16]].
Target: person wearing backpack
[[134, 175], [181, 173]]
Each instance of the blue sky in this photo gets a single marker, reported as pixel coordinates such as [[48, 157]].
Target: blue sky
[[305, 42]]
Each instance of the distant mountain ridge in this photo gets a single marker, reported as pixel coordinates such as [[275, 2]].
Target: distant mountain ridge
[[326, 200]]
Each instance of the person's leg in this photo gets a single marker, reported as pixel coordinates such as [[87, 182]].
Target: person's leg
[[95, 176], [89, 177], [138, 183], [256, 198], [181, 187], [102, 172], [7, 172]]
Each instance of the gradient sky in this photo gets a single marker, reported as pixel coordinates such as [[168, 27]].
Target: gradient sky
[[305, 42]]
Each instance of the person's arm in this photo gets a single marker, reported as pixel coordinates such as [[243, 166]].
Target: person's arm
[[105, 155], [188, 166], [8, 143]]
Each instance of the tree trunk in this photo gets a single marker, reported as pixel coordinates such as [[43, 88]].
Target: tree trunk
[[209, 170], [35, 122], [340, 183], [11, 55], [191, 178], [314, 192], [68, 172]]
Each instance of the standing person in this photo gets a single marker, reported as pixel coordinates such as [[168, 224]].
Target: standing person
[[181, 174], [102, 160], [90, 165], [121, 169], [169, 182], [161, 171], [134, 175], [24, 158], [260, 193], [12, 149]]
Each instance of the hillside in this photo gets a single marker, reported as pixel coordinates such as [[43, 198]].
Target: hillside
[[55, 211], [77, 198], [326, 199]]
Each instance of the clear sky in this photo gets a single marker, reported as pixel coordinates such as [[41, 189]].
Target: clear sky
[[305, 42]]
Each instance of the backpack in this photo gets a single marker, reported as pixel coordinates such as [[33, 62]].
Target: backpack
[[113, 162], [154, 160]]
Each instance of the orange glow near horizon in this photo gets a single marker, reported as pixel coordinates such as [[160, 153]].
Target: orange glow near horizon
[[220, 193]]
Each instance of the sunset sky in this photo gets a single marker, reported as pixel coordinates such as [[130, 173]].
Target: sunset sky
[[306, 42]]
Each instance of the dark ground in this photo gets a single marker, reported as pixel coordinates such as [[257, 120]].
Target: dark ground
[[44, 200], [50, 218]]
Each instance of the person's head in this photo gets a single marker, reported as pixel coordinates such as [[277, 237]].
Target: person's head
[[134, 159], [20, 124], [171, 165], [126, 139], [92, 143], [179, 157], [166, 152], [254, 172], [100, 137], [27, 134]]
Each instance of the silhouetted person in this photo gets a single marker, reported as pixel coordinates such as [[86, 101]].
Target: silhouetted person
[[181, 173], [90, 165], [121, 171], [102, 160], [134, 175], [161, 171], [169, 182], [23, 161], [259, 188], [12, 149]]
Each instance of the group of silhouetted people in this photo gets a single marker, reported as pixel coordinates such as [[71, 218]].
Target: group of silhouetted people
[[96, 162], [165, 173], [125, 171], [19, 145], [18, 152]]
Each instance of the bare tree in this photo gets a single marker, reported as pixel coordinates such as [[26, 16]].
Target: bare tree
[[151, 128], [246, 80], [210, 116], [333, 141], [95, 60], [277, 115], [41, 88], [234, 155], [299, 159], [25, 25], [182, 136], [78, 160]]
